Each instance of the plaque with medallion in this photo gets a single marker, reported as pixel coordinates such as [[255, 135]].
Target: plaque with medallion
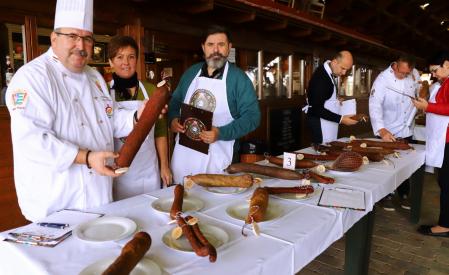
[[195, 120]]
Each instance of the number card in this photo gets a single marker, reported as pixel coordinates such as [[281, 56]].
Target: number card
[[289, 161]]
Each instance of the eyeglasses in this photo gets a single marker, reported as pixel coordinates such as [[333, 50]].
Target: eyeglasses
[[73, 37]]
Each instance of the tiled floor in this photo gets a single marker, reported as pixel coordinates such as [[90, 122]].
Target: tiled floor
[[396, 247]]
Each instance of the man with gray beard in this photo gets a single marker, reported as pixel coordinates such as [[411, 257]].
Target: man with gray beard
[[218, 86]]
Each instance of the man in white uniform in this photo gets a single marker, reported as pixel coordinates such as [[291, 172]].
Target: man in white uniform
[[63, 121], [392, 112]]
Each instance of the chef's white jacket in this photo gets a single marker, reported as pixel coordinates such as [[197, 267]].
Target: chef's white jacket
[[390, 110], [54, 113]]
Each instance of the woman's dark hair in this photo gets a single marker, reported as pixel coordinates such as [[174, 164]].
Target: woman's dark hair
[[213, 29], [439, 59], [120, 41]]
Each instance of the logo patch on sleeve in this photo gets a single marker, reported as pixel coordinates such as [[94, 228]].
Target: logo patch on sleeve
[[19, 99]]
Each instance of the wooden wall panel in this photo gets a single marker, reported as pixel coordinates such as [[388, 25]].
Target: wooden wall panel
[[10, 215]]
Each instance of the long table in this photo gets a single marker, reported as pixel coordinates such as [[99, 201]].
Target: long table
[[286, 245]]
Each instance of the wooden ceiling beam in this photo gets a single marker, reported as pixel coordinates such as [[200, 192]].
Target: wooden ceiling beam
[[196, 7], [243, 17], [277, 26]]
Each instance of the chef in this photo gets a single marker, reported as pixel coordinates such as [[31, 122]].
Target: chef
[[392, 112], [323, 105], [220, 87], [63, 121]]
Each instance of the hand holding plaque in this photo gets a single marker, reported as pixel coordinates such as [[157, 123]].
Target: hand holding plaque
[[195, 121]]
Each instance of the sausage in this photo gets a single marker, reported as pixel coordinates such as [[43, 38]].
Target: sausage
[[305, 189], [258, 206], [339, 144], [177, 201], [320, 178], [275, 172], [363, 150], [319, 157], [395, 145], [211, 249], [187, 231], [131, 254], [300, 164], [218, 180], [143, 127]]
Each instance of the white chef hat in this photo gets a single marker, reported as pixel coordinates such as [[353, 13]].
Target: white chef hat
[[76, 14]]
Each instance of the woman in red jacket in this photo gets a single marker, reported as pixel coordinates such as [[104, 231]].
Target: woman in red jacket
[[437, 140]]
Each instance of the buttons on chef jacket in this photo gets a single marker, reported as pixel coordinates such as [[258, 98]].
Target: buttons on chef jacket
[[100, 121]]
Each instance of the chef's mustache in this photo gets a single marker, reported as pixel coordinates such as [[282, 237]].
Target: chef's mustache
[[81, 53], [216, 55]]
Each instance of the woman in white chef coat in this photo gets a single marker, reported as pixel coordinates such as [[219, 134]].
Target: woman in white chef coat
[[143, 175], [437, 140]]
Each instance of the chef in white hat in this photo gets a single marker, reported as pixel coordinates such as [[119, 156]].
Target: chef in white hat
[[63, 121]]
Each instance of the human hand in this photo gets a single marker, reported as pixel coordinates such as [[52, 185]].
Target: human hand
[[347, 120], [386, 135], [166, 176], [98, 160], [176, 127], [210, 136], [420, 103]]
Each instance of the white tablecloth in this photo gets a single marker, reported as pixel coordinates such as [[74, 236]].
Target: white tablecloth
[[286, 244]]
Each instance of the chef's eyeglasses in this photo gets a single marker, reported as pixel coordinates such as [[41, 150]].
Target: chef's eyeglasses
[[75, 38]]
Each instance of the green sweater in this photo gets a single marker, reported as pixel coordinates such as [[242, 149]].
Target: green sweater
[[242, 102], [160, 129]]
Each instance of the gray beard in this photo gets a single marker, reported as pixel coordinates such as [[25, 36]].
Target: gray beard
[[215, 63]]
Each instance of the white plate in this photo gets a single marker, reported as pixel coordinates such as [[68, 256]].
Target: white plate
[[215, 235], [239, 211], [105, 229], [316, 191], [145, 266], [225, 190], [189, 203]]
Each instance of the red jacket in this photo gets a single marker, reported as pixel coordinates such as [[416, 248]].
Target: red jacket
[[441, 107]]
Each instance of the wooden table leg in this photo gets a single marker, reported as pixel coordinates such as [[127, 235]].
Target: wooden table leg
[[416, 186], [358, 246]]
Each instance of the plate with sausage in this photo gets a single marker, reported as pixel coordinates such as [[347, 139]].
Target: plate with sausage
[[190, 203], [240, 210], [214, 234], [292, 196]]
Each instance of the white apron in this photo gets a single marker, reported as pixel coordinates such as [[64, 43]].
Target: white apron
[[143, 174], [436, 127], [329, 129], [186, 161]]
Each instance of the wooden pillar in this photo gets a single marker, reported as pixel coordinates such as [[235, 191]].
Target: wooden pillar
[[31, 42], [136, 31]]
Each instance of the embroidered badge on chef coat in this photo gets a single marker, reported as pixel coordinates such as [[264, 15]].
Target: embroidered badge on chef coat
[[203, 99], [109, 110], [19, 99]]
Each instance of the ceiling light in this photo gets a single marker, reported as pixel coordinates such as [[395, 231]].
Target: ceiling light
[[424, 6]]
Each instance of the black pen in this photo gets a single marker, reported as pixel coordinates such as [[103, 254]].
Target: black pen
[[53, 225]]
